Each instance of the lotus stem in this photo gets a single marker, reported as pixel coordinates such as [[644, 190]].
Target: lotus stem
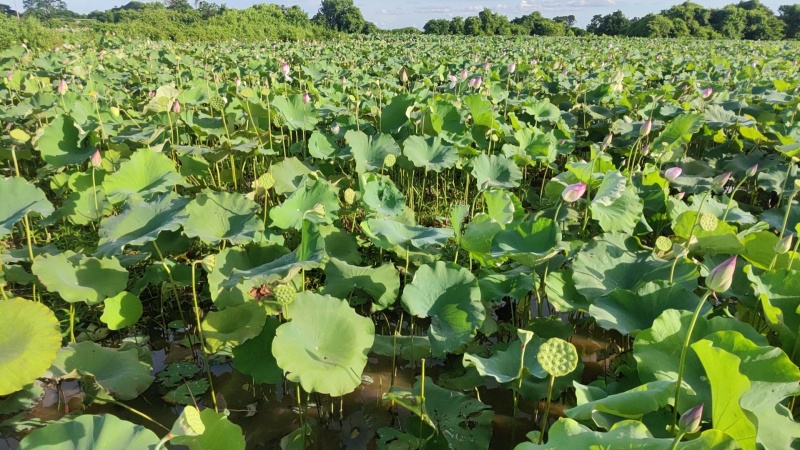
[[730, 199], [783, 228], [131, 409], [684, 348], [691, 235], [677, 440], [202, 337], [72, 322], [547, 408]]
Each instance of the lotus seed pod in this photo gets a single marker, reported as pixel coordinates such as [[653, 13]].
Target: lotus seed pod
[[217, 102], [708, 222], [558, 357], [389, 160], [115, 111], [246, 92], [284, 294], [163, 101], [349, 196], [266, 181], [664, 244]]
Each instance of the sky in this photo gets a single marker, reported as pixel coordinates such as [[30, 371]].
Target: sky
[[390, 14]]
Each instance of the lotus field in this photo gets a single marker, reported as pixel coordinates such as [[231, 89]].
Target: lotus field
[[401, 243]]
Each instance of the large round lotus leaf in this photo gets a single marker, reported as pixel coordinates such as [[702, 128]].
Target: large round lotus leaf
[[146, 173], [218, 433], [122, 310], [430, 153], [325, 345], [388, 234], [381, 283], [233, 325], [254, 356], [79, 278], [19, 198], [90, 432], [118, 372], [529, 244], [216, 216], [299, 115], [140, 222], [381, 195], [304, 204], [450, 296], [59, 143], [496, 171], [371, 151], [28, 344]]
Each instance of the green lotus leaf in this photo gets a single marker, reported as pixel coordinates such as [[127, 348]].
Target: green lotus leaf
[[87, 203], [325, 345], [381, 283], [20, 198], [288, 175], [298, 115], [774, 217], [530, 244], [464, 422], [369, 152], [622, 214], [60, 143], [504, 207], [429, 153], [218, 433], [443, 119], [388, 234], [504, 365], [669, 145], [632, 311], [254, 356], [217, 216], [118, 372], [657, 351], [450, 296], [340, 244], [481, 111], [711, 205], [146, 173], [90, 432], [410, 348], [140, 222], [79, 278], [722, 240], [28, 344], [631, 404], [381, 196], [478, 236], [627, 434], [322, 146], [779, 295], [304, 204], [532, 146], [515, 284], [232, 326], [759, 249], [187, 392], [176, 373], [237, 258], [394, 114], [121, 310], [495, 171], [613, 261]]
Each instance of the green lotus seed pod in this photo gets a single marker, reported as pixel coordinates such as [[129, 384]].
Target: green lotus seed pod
[[265, 181], [163, 101], [284, 294], [246, 92], [708, 222], [349, 196], [278, 120], [217, 102], [558, 357], [664, 244], [389, 160]]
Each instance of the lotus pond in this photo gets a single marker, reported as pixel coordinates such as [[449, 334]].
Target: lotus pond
[[400, 243]]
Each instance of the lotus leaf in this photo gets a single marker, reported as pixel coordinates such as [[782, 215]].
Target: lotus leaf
[[145, 174], [504, 365], [495, 171], [388, 234], [380, 195], [232, 326], [370, 152], [394, 115], [20, 198], [89, 432], [304, 205], [121, 310], [530, 244], [429, 153], [218, 432], [381, 283], [298, 114], [217, 216], [254, 356], [60, 143]]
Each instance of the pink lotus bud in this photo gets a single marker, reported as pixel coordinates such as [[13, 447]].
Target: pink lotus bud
[[783, 245], [62, 87], [486, 66], [721, 277], [705, 93], [335, 128], [472, 82], [721, 180], [306, 98], [151, 94], [464, 74], [453, 81], [751, 172], [96, 159], [344, 81], [237, 82], [478, 82], [534, 62], [690, 420], [176, 107], [512, 67], [285, 69], [564, 72], [672, 173], [404, 76], [646, 127], [573, 192]]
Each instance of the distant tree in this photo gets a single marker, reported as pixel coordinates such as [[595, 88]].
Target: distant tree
[[729, 21], [651, 26], [5, 9], [569, 20], [47, 9], [762, 25], [340, 15], [473, 26], [614, 24], [457, 25], [437, 26], [790, 15], [178, 5], [494, 24], [295, 16], [535, 24]]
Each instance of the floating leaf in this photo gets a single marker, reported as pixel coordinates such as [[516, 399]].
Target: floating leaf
[[232, 326], [121, 310]]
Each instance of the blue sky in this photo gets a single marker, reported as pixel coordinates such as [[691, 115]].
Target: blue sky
[[394, 14]]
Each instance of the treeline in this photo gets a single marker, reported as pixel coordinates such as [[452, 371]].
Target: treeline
[[744, 20]]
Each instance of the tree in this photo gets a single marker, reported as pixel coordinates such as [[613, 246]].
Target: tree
[[47, 9], [651, 26], [790, 15], [178, 5], [763, 26], [340, 15], [569, 20], [614, 24], [457, 25], [473, 26], [437, 26], [729, 21]]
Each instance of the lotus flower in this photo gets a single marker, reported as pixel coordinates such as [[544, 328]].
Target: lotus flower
[[306, 98], [96, 159], [721, 180], [534, 62], [62, 87], [486, 66], [478, 82], [751, 172], [285, 72], [335, 128], [690, 420], [464, 74], [472, 82], [706, 92], [573, 192], [672, 173], [646, 127], [237, 82], [453, 81], [512, 67], [784, 245], [721, 277]]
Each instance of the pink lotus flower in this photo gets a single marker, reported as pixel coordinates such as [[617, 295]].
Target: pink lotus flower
[[672, 173], [573, 192], [721, 277], [705, 93], [237, 82], [96, 159], [512, 67], [306, 98], [335, 128], [404, 76], [478, 82], [176, 107], [453, 81], [62, 87], [486, 66], [721, 180]]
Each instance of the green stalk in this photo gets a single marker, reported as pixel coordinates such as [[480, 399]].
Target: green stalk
[[547, 408], [691, 235], [677, 440], [783, 228], [202, 337], [730, 199]]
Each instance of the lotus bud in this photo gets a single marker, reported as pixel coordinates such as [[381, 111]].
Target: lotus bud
[[672, 173], [680, 195], [335, 128], [404, 76], [344, 81], [721, 180], [783, 245], [389, 160], [646, 127], [62, 87], [690, 420], [472, 82], [646, 150], [751, 172], [10, 75], [706, 92], [486, 66], [478, 82], [151, 94], [512, 67], [453, 81], [573, 192], [797, 184], [285, 69], [237, 82], [534, 62], [96, 159], [176, 107], [721, 277], [464, 74], [607, 140], [306, 98]]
